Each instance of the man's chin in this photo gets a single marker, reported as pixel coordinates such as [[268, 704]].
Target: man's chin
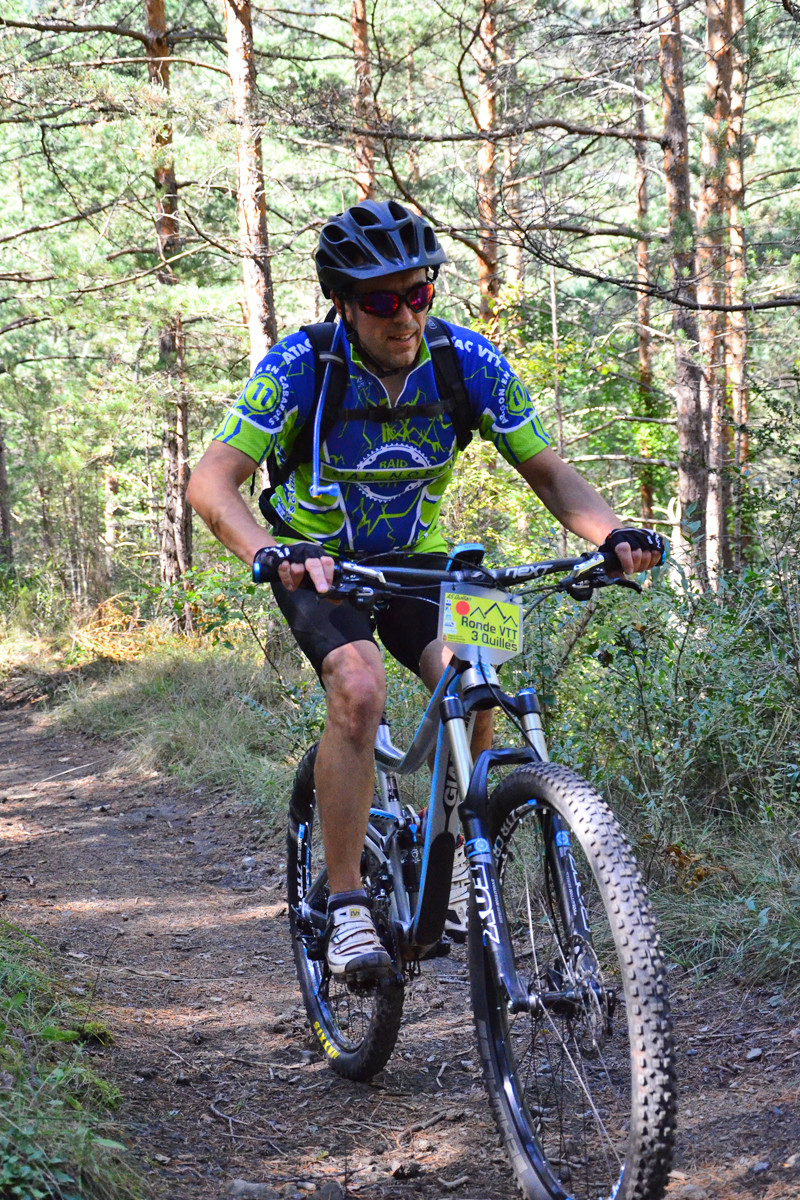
[[404, 356]]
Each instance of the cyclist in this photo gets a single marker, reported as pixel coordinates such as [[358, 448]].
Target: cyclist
[[378, 263]]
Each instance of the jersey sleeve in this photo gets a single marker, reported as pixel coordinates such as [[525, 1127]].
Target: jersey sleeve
[[503, 410], [274, 403]]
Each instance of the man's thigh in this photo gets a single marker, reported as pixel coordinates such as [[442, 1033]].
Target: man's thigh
[[319, 625], [410, 622], [406, 627]]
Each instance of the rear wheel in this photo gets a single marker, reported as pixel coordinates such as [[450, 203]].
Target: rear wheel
[[583, 1086], [356, 1028]]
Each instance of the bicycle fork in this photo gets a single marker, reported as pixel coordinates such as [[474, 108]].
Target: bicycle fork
[[473, 811]]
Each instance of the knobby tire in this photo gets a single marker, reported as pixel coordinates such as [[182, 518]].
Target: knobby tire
[[586, 1110], [356, 1030]]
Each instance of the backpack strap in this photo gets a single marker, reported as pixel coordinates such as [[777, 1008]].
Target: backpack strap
[[450, 380], [321, 337], [449, 384]]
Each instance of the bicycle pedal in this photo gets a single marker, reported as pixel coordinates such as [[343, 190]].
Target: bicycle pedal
[[440, 949]]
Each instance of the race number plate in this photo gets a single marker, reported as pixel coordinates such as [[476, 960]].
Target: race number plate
[[479, 625]]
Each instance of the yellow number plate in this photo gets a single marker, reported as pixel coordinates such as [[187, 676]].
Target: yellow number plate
[[480, 625]]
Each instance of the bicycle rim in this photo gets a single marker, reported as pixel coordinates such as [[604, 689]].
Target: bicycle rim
[[583, 1087], [356, 1029]]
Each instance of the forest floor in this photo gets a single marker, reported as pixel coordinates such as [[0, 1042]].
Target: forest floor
[[141, 893]]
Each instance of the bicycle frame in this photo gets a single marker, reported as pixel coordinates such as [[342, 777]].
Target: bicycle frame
[[459, 794]]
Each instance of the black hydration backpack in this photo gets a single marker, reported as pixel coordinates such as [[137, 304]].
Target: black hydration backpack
[[453, 401]]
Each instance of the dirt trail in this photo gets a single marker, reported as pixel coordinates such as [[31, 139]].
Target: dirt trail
[[150, 902]]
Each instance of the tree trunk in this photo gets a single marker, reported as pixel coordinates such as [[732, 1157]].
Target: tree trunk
[[6, 543], [362, 104], [557, 382], [711, 276], [176, 530], [259, 307], [511, 188], [486, 58], [736, 270], [175, 555], [167, 231], [692, 472], [110, 523], [644, 335]]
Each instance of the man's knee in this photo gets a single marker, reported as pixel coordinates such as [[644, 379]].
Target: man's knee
[[355, 689]]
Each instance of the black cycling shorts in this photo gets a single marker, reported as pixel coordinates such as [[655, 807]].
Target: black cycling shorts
[[406, 626]]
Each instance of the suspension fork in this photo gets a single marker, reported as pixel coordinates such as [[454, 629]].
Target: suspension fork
[[561, 866], [472, 784]]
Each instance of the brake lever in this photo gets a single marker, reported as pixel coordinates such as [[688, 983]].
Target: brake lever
[[581, 589], [628, 583]]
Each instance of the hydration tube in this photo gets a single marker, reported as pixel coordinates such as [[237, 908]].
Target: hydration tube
[[319, 489]]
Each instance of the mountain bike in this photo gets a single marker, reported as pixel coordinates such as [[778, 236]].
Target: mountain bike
[[566, 976]]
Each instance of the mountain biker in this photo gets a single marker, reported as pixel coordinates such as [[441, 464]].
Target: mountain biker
[[378, 263]]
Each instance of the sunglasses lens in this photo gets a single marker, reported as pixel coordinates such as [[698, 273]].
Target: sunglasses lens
[[379, 304], [419, 298], [386, 304]]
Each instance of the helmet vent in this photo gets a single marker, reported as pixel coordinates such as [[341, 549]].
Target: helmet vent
[[363, 216], [408, 236], [398, 212], [332, 233], [384, 245], [431, 243]]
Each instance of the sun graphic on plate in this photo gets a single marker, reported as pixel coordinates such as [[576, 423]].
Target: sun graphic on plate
[[463, 608]]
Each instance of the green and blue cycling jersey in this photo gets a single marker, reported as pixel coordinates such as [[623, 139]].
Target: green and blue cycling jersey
[[392, 476]]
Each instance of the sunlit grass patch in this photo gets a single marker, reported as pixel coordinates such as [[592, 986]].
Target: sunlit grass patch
[[209, 715], [57, 1139]]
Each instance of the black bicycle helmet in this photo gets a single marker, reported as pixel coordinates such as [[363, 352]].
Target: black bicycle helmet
[[372, 239]]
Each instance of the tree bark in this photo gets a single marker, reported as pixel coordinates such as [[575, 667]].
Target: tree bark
[[736, 270], [557, 381], [711, 276], [6, 542], [511, 188], [259, 307], [644, 335], [692, 470], [167, 230], [486, 58], [110, 523], [176, 530], [362, 104], [176, 526]]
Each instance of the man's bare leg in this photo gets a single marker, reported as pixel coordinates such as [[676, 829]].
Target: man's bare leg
[[344, 775]]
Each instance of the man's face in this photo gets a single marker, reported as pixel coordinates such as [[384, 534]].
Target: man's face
[[393, 342]]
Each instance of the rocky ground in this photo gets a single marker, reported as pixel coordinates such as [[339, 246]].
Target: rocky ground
[[166, 911]]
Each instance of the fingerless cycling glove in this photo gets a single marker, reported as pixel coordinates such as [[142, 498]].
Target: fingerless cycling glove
[[267, 560]]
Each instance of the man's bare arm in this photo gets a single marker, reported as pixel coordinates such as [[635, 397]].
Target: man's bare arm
[[213, 492], [577, 505]]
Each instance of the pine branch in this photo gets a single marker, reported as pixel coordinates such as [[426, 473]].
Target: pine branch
[[80, 216], [73, 27]]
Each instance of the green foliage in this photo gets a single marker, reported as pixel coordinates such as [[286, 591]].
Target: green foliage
[[683, 709], [55, 1138]]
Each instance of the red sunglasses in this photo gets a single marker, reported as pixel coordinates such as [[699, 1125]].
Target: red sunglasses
[[387, 304]]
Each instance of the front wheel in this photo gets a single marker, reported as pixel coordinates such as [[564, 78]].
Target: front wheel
[[356, 1029], [583, 1085]]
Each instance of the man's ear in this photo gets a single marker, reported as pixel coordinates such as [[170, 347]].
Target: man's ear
[[337, 304]]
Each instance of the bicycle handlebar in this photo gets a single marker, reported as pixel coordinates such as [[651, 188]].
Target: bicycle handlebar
[[362, 584]]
